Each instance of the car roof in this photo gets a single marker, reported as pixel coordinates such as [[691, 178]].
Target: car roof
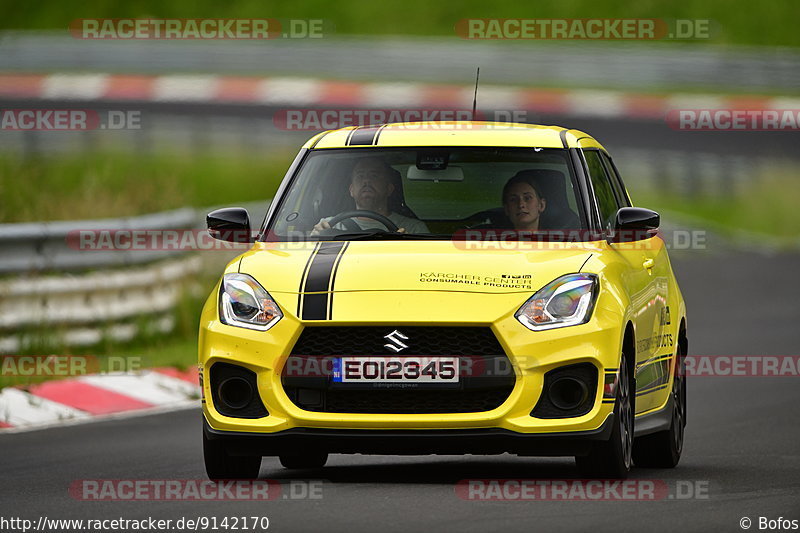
[[453, 133]]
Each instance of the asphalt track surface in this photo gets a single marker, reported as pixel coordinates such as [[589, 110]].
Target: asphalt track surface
[[741, 445]]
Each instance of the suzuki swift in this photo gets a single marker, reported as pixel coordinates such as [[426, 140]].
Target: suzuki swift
[[445, 288]]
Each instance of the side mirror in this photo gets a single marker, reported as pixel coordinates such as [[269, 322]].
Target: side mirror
[[635, 224], [230, 224]]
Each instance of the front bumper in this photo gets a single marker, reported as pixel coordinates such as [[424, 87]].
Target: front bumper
[[532, 354], [485, 441]]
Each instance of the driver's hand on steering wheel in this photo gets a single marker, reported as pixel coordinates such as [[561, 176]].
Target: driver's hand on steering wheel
[[323, 225], [320, 226]]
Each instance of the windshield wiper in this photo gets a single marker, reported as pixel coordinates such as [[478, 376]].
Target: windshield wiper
[[380, 234]]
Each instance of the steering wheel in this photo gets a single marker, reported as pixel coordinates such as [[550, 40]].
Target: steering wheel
[[391, 226]]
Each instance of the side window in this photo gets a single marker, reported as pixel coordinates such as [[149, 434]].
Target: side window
[[616, 182], [603, 193]]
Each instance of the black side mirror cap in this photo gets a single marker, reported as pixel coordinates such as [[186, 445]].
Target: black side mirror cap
[[635, 224], [230, 224]]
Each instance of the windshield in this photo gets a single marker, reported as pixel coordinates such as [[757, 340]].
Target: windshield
[[427, 193]]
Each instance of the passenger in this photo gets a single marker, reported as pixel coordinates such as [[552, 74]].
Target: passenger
[[523, 201]]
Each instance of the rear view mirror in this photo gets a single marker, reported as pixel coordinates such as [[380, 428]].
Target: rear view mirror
[[451, 173], [230, 224], [635, 224]]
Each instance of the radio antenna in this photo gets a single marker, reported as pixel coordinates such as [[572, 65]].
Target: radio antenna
[[475, 97]]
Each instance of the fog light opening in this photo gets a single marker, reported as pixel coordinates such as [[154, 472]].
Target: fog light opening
[[568, 393], [235, 392]]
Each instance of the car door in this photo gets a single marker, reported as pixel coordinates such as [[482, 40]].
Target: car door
[[637, 262], [654, 373]]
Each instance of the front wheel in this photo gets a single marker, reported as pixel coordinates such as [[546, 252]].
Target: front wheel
[[220, 465], [663, 449], [612, 459]]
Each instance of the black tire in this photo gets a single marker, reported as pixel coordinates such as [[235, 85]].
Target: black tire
[[663, 449], [612, 459], [220, 465], [306, 460]]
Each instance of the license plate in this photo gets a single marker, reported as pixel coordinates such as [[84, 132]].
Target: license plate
[[395, 370]]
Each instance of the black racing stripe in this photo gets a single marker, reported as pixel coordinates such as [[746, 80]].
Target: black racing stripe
[[315, 306], [333, 279], [319, 274], [349, 135], [378, 135], [303, 279], [364, 135]]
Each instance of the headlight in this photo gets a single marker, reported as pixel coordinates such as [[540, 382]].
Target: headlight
[[245, 303], [567, 301]]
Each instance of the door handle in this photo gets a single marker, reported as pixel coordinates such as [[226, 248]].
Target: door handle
[[649, 263]]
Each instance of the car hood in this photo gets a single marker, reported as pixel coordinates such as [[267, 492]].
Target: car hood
[[443, 266]]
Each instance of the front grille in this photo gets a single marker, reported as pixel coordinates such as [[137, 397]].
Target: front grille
[[487, 377], [422, 340]]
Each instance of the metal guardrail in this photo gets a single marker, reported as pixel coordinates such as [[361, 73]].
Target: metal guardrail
[[83, 310], [636, 65], [113, 295], [45, 246], [55, 293], [53, 246]]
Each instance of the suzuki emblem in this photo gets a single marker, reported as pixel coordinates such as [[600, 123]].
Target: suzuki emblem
[[395, 343]]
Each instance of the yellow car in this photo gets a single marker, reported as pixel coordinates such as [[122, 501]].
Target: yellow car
[[445, 288]]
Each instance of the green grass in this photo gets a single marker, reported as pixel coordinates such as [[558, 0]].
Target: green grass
[[103, 185], [767, 205], [167, 351], [739, 22]]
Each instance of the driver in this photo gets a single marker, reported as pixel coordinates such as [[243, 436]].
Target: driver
[[370, 187]]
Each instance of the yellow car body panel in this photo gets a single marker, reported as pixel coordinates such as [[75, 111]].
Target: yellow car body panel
[[462, 134], [375, 285], [400, 283]]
